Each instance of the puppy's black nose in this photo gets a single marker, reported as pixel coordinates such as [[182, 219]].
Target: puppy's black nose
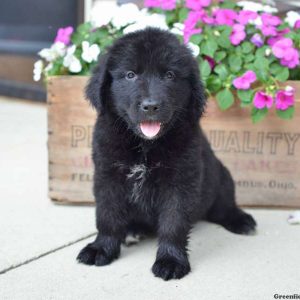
[[149, 106]]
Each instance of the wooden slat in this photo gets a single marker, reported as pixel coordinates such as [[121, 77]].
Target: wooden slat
[[263, 158]]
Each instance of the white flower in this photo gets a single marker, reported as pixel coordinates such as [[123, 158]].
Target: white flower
[[71, 61], [268, 52], [37, 70], [194, 48], [292, 17], [58, 49], [269, 9], [103, 12], [90, 53], [289, 88], [257, 22], [256, 7], [177, 28], [49, 67], [125, 14], [249, 5], [154, 20]]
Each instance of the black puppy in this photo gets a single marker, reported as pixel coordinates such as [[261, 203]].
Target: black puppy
[[154, 169]]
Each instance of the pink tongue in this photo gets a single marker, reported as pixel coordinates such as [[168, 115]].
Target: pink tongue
[[150, 129]]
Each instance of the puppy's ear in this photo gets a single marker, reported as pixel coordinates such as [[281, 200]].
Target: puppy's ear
[[97, 89], [198, 92]]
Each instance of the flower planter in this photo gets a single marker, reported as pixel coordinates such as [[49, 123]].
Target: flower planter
[[263, 158]]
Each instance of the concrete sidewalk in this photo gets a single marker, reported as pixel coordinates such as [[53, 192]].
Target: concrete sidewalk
[[39, 240]]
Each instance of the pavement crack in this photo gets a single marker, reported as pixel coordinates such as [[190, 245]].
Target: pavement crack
[[45, 254]]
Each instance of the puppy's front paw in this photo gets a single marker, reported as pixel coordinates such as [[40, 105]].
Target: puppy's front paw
[[95, 255], [170, 268]]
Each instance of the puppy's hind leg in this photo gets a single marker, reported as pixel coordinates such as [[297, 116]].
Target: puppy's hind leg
[[225, 210]]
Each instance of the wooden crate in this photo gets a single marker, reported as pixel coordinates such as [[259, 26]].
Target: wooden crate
[[263, 158]]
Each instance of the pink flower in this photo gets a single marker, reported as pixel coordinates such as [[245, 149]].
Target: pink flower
[[245, 16], [225, 16], [190, 23], [285, 98], [238, 34], [168, 4], [269, 23], [297, 25], [64, 35], [262, 100], [280, 34], [164, 4], [197, 4], [285, 51], [291, 59], [152, 3], [244, 82], [270, 20], [257, 40]]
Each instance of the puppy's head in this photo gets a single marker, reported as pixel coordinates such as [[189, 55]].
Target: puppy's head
[[149, 80]]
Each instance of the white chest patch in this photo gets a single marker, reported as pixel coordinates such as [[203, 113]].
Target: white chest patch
[[138, 175]]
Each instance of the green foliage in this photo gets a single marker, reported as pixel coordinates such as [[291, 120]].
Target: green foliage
[[258, 115], [225, 99], [286, 114], [231, 61]]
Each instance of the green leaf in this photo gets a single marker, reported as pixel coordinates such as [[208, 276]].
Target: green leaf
[[222, 71], [258, 115], [228, 4], [225, 99], [223, 39], [249, 58], [281, 73], [183, 12], [235, 63], [196, 39], [209, 47], [261, 63], [213, 84], [245, 96], [205, 69], [247, 47], [219, 55], [287, 114], [84, 28]]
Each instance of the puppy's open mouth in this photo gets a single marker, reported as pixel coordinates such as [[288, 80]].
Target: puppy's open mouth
[[150, 129]]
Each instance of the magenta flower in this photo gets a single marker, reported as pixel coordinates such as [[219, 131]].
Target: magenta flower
[[197, 4], [280, 34], [257, 40], [190, 24], [285, 51], [285, 98], [168, 4], [225, 16], [64, 35], [269, 23], [297, 25], [245, 16], [262, 100], [238, 34], [291, 59], [152, 3], [211, 61], [244, 82], [270, 20]]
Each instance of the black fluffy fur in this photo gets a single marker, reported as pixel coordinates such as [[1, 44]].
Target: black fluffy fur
[[161, 185]]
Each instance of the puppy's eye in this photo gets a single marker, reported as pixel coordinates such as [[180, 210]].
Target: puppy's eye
[[130, 75], [170, 75]]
